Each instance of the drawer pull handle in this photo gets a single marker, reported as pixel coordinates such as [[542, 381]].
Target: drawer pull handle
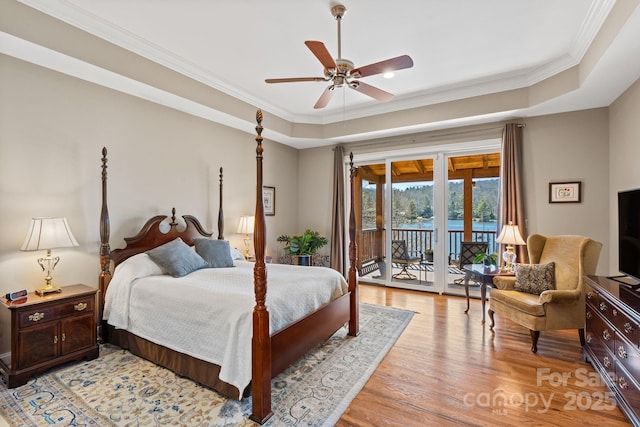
[[64, 337], [589, 315], [628, 328], [606, 362], [589, 338], [603, 306], [623, 383], [590, 295], [80, 306], [606, 335], [36, 316], [55, 339], [615, 312], [621, 352]]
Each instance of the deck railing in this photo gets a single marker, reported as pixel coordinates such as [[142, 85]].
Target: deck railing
[[418, 241]]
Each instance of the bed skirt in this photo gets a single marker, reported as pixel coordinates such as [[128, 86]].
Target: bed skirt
[[198, 370]]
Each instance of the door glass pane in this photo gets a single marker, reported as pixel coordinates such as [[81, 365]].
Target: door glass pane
[[473, 187], [370, 223], [412, 219]]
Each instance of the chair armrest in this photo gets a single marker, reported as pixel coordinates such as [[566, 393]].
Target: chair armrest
[[505, 283], [560, 296]]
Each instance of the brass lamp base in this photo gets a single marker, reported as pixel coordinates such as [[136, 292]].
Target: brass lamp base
[[47, 289]]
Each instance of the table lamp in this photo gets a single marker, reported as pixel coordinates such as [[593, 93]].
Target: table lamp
[[47, 234], [246, 227], [510, 235]]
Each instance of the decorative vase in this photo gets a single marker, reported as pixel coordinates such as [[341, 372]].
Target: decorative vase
[[304, 260]]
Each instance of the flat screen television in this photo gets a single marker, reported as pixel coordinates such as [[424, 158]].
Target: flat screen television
[[629, 233]]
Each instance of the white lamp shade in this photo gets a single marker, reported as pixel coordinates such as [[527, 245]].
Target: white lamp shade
[[510, 235], [246, 225], [48, 233]]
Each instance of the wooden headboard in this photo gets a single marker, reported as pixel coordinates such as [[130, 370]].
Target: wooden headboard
[[151, 236]]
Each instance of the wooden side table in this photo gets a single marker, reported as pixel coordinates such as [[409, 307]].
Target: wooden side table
[[49, 330], [484, 274]]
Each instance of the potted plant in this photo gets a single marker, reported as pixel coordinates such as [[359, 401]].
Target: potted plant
[[428, 255], [486, 259], [304, 245]]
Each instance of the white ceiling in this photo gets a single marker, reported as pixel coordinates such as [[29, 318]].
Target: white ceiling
[[460, 49]]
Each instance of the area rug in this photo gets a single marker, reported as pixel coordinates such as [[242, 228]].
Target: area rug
[[119, 389]]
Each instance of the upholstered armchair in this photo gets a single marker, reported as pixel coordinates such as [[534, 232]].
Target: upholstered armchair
[[562, 305]]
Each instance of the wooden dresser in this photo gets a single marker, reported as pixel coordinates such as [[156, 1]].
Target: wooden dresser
[[613, 340], [47, 331]]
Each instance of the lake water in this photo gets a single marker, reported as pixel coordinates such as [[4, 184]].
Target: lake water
[[453, 224]]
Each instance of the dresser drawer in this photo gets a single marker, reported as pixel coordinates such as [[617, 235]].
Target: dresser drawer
[[599, 328], [627, 354], [627, 386], [42, 314], [601, 356], [624, 324], [591, 296]]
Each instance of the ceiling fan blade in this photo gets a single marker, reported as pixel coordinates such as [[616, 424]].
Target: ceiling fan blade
[[393, 64], [296, 79], [371, 91], [325, 97], [321, 52]]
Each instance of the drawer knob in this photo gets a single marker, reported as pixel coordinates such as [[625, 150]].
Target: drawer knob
[[621, 352], [80, 306], [623, 383], [606, 335], [589, 338], [36, 316], [589, 315], [606, 362], [615, 312], [603, 306], [628, 328], [590, 295]]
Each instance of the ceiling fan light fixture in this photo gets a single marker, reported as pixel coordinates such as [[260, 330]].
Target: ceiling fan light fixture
[[342, 72], [389, 75]]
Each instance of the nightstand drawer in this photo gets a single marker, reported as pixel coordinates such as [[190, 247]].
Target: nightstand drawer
[[38, 315]]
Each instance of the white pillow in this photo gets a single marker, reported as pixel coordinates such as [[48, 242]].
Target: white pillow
[[236, 254]]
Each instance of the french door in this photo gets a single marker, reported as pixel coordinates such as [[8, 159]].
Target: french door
[[413, 211]]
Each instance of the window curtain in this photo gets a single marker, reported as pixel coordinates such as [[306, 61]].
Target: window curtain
[[511, 203], [338, 261]]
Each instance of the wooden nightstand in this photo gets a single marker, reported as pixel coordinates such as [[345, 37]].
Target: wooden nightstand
[[49, 330]]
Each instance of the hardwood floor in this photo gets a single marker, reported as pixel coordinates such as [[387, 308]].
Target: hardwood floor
[[449, 369]]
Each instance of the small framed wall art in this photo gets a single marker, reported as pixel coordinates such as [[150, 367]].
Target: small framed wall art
[[269, 197], [565, 192]]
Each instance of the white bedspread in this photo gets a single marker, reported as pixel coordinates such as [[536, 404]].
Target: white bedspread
[[208, 314]]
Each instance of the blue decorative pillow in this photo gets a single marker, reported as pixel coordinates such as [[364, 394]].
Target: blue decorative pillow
[[535, 278], [176, 258], [216, 253]]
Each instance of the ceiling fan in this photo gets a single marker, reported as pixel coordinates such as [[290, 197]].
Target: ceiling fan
[[342, 71]]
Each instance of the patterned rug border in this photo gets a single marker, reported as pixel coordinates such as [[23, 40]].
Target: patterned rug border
[[357, 387], [314, 391]]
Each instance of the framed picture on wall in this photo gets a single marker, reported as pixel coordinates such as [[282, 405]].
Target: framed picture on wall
[[565, 192], [269, 197]]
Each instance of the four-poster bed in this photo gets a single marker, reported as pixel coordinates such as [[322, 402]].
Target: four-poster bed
[[272, 348]]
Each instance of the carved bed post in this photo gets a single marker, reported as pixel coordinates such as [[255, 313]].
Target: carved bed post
[[220, 213], [261, 341], [354, 322], [105, 271]]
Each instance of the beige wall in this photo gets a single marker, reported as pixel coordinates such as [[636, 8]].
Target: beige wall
[[624, 157], [568, 147], [52, 130]]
